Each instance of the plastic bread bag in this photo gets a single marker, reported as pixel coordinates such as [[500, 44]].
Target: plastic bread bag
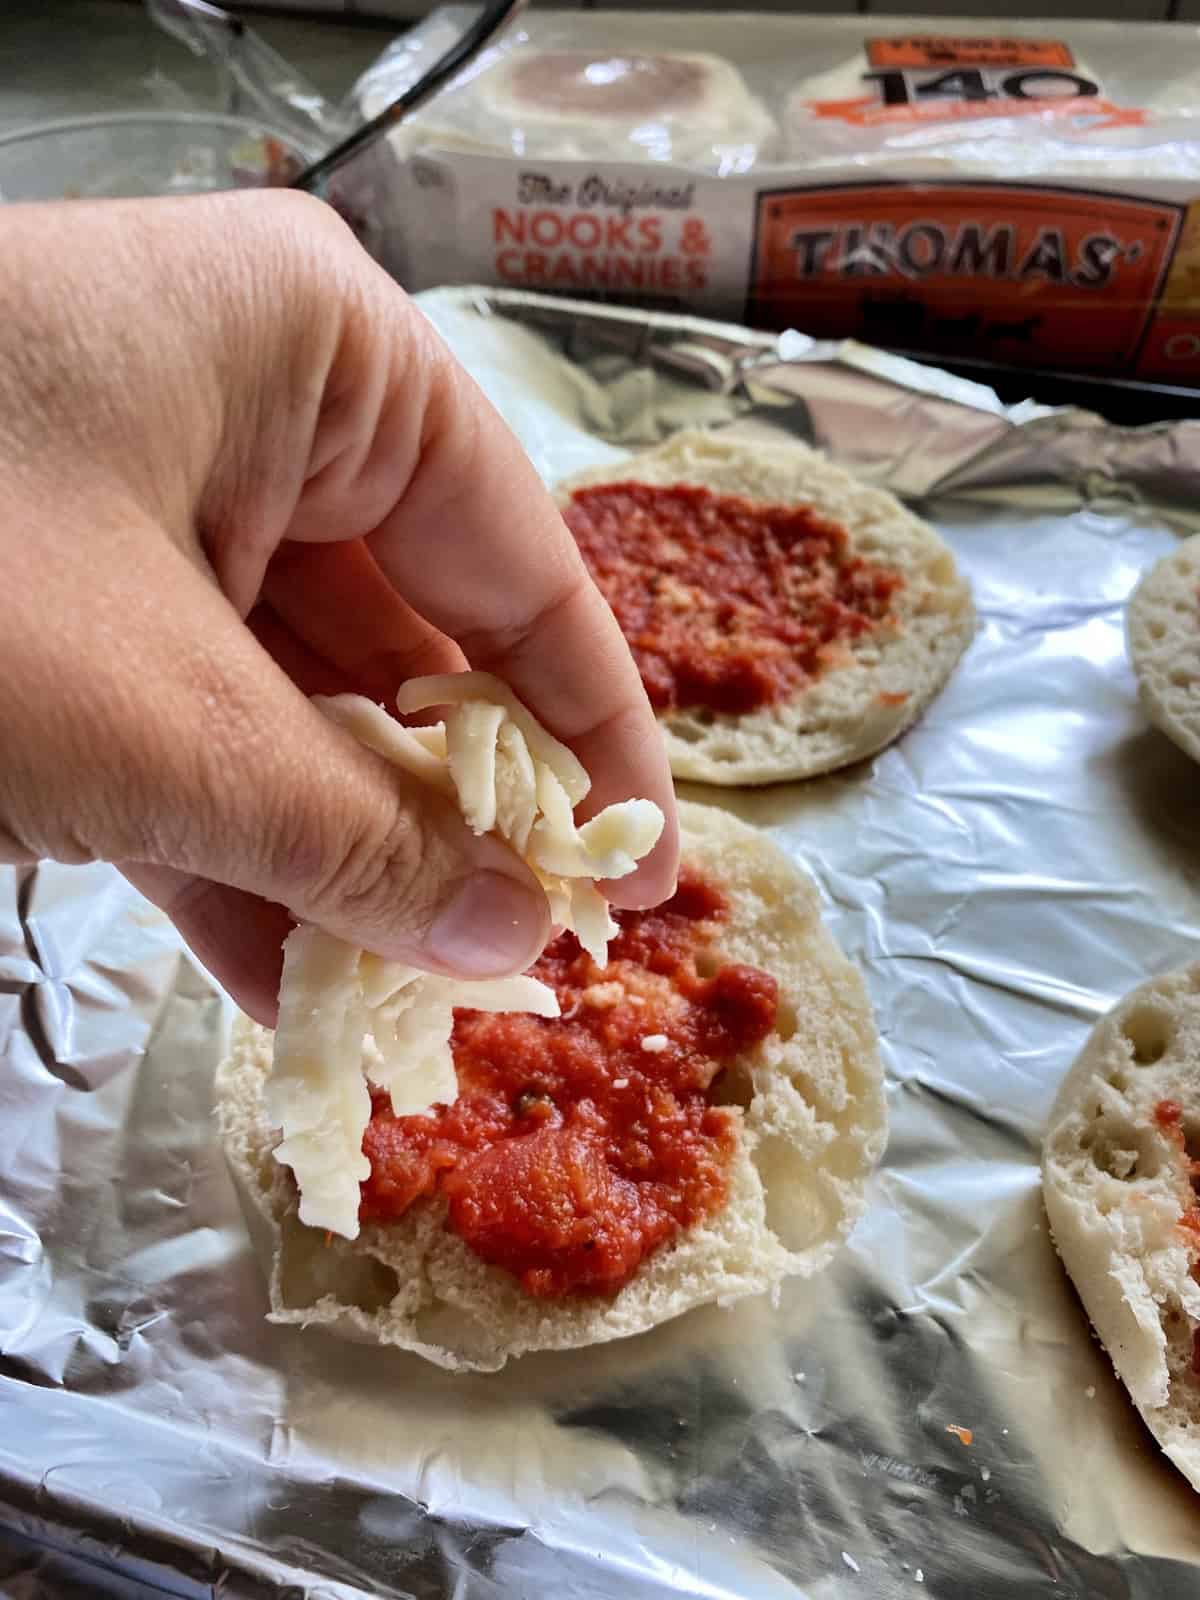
[[1024, 199]]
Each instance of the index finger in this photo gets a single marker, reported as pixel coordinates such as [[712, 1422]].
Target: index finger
[[477, 546]]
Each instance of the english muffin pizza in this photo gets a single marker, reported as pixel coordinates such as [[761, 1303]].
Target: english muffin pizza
[[786, 619], [1163, 629], [673, 1107], [1121, 1180]]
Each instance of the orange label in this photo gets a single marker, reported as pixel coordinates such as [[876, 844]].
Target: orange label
[[944, 50], [1170, 352], [1004, 272], [865, 111]]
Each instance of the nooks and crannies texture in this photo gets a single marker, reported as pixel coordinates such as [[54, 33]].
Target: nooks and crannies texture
[[348, 1019], [1121, 1183]]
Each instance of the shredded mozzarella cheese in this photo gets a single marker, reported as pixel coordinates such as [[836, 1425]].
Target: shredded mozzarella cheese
[[348, 1019]]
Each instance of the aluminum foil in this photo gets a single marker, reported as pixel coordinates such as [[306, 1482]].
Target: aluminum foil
[[929, 1418]]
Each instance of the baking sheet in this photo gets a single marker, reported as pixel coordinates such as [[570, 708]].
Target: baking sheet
[[1024, 856]]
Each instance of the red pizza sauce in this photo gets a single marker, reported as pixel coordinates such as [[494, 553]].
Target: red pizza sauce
[[727, 604], [1168, 1117], [572, 1152]]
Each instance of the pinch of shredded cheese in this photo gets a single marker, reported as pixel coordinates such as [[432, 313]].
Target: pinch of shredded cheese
[[348, 1019]]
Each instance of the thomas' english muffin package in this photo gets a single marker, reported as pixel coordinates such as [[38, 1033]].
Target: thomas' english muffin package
[[1030, 199]]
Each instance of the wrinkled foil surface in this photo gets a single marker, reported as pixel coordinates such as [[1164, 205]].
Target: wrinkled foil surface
[[931, 1417]]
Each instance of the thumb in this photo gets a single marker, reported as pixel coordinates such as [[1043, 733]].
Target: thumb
[[379, 859], [190, 750]]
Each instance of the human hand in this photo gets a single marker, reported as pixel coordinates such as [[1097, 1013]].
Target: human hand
[[239, 468]]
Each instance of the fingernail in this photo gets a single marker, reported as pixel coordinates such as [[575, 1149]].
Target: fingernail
[[492, 926], [630, 895]]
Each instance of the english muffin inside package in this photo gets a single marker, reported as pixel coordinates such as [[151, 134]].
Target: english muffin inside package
[[1030, 198]]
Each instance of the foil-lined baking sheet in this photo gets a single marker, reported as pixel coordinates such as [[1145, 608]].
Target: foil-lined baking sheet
[[931, 1417]]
